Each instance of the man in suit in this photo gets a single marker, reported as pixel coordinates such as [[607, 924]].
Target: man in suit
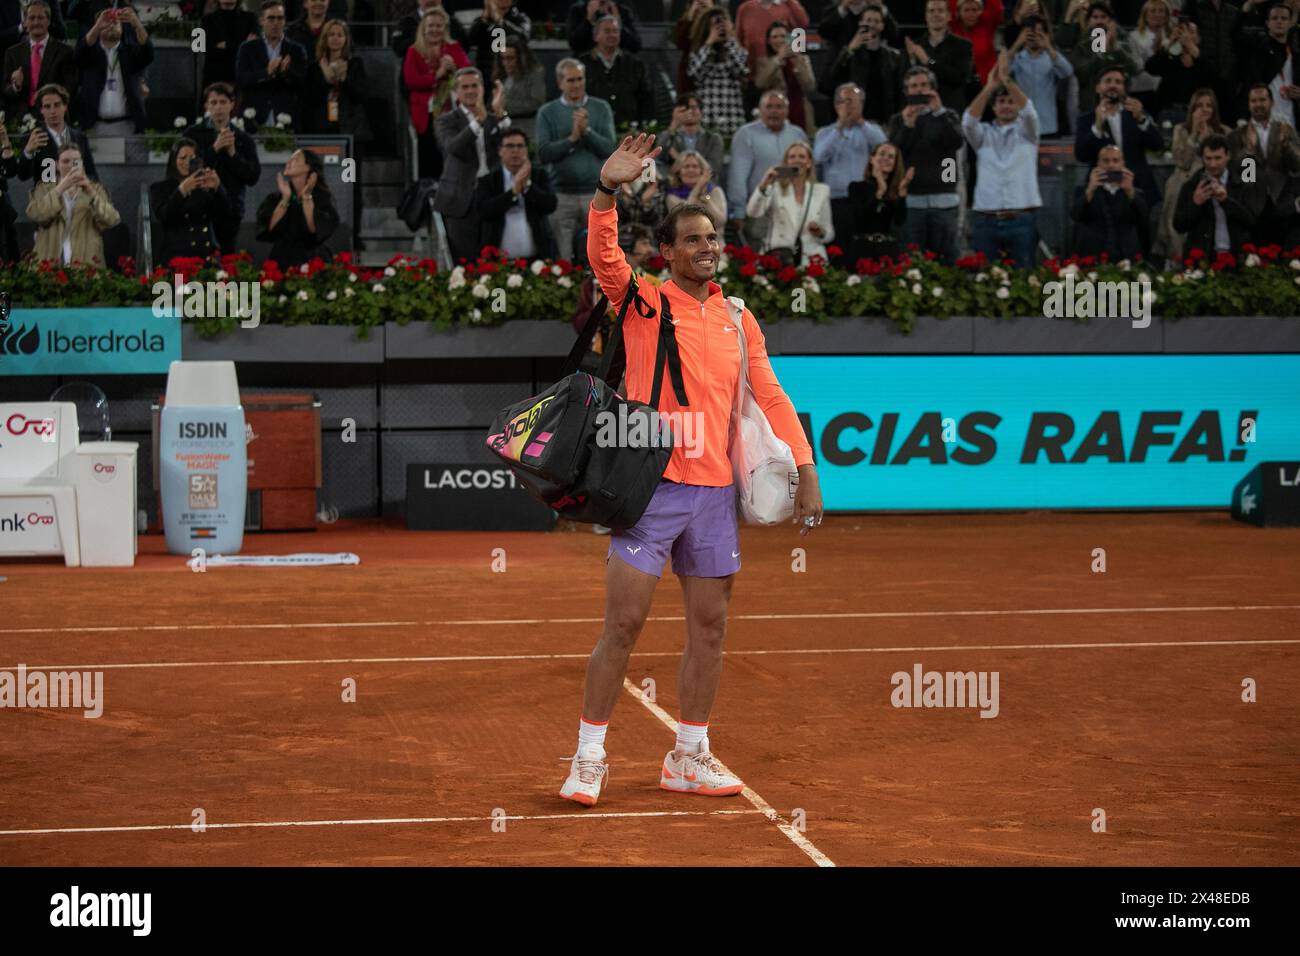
[[1217, 210], [1274, 151], [41, 152], [1273, 58], [469, 137], [272, 70], [50, 59], [231, 152], [515, 203], [12, 16], [110, 63], [1119, 120], [1110, 213], [945, 53]]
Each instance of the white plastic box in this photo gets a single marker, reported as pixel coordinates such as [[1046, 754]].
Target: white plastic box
[[106, 502]]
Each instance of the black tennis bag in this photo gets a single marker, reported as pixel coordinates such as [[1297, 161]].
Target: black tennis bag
[[556, 443]]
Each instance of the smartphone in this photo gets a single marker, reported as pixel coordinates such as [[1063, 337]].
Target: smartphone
[[1114, 98], [916, 99], [76, 164], [787, 172], [1113, 176], [196, 165]]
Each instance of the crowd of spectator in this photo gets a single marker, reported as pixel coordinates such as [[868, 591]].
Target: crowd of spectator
[[940, 112]]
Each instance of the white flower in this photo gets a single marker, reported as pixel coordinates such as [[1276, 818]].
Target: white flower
[[352, 277], [390, 272], [268, 283], [916, 288], [1071, 270], [222, 274], [937, 291], [180, 122], [555, 270], [902, 283], [536, 268], [303, 295], [1252, 261], [377, 287], [476, 316], [331, 295], [1003, 292], [1035, 281], [250, 113], [853, 279], [455, 281], [1167, 124], [1198, 274], [564, 282], [348, 293], [1297, 280], [236, 122], [981, 277], [303, 268], [1295, 263], [763, 281], [514, 281], [283, 119], [810, 283], [1092, 277], [480, 291], [914, 274], [998, 273], [283, 299]]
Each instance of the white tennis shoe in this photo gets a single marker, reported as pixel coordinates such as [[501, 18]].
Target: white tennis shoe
[[588, 774], [698, 773]]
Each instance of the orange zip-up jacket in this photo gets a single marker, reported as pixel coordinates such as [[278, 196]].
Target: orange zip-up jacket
[[710, 354]]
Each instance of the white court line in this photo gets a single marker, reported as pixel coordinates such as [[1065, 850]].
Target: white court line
[[797, 838], [378, 822], [485, 622], [145, 665]]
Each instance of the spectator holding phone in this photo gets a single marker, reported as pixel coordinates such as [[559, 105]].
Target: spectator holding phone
[[718, 67], [1038, 67], [1202, 122], [1217, 210], [1273, 59], [230, 151], [47, 139], [873, 66], [839, 149], [783, 69], [71, 214], [1122, 120], [186, 205], [1110, 212], [929, 136], [877, 206], [756, 147], [111, 62], [686, 133], [797, 208]]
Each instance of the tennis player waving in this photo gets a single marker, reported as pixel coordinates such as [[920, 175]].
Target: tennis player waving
[[692, 516]]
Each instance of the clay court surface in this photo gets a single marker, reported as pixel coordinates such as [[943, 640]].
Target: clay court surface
[[223, 691]]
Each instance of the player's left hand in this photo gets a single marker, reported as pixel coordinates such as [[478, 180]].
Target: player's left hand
[[808, 500]]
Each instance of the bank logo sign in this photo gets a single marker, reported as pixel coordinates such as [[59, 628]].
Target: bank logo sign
[[88, 342], [1042, 431]]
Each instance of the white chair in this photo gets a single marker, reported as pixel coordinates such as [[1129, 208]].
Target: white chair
[[38, 500]]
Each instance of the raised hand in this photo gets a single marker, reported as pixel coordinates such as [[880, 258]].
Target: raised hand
[[626, 163]]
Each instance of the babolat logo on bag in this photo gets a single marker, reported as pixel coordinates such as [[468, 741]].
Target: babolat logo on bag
[[512, 442]]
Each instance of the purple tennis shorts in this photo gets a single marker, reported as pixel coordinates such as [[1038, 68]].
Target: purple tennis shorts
[[695, 523]]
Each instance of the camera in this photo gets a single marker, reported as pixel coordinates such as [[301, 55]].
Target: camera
[[1114, 176], [916, 99]]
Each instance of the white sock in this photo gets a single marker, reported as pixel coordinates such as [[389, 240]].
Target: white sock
[[591, 732], [691, 738]]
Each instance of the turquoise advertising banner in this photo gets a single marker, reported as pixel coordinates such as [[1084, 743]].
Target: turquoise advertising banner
[[89, 342], [1042, 431]]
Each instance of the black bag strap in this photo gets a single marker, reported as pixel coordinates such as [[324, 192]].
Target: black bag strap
[[668, 354]]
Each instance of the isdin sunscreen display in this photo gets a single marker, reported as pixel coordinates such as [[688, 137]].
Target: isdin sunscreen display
[[203, 459]]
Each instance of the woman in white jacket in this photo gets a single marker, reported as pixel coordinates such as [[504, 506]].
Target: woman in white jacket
[[797, 207]]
